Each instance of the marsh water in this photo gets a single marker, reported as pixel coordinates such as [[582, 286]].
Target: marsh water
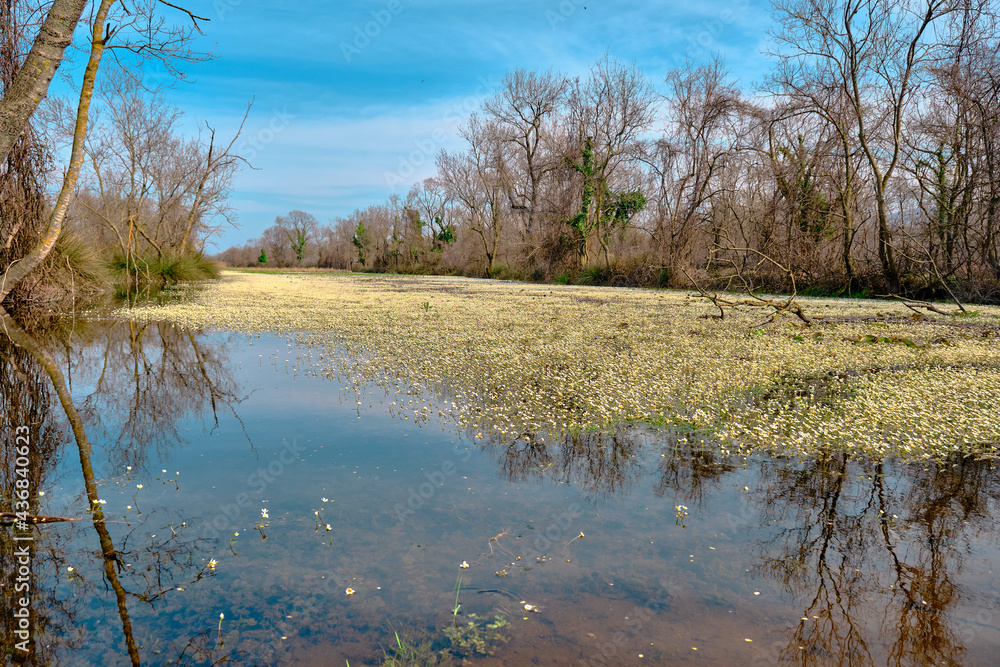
[[255, 510]]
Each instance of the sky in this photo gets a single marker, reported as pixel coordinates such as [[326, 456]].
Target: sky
[[353, 99]]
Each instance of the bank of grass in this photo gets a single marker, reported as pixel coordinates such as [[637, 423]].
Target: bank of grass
[[170, 268], [518, 360]]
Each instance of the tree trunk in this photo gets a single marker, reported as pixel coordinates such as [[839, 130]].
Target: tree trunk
[[18, 270], [32, 82], [25, 341], [886, 255]]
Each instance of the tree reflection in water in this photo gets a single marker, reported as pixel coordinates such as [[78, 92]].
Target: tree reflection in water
[[875, 548], [872, 548], [601, 465], [877, 558], [164, 379]]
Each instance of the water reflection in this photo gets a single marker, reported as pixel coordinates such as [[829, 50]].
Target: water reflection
[[600, 464], [25, 400], [855, 561], [877, 545], [149, 402], [872, 549], [148, 378]]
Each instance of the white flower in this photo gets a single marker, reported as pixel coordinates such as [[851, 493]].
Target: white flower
[[212, 563], [69, 569], [263, 513], [325, 500], [349, 591], [138, 486], [221, 616], [328, 528], [464, 564]]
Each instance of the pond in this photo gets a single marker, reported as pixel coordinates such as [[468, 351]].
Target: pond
[[252, 509]]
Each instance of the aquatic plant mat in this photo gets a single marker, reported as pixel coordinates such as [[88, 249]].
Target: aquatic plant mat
[[523, 361]]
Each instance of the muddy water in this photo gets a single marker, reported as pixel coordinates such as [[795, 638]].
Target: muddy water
[[618, 548]]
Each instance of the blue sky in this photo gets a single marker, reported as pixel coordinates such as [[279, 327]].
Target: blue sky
[[352, 100]]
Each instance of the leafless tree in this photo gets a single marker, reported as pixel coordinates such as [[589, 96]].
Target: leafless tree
[[430, 201], [607, 114], [139, 30], [299, 230], [479, 180], [684, 164], [525, 109], [874, 55]]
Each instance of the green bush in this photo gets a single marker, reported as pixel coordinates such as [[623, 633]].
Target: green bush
[[594, 275], [77, 265]]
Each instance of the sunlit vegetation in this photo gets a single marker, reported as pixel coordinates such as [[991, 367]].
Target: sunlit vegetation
[[518, 361], [865, 163], [139, 197]]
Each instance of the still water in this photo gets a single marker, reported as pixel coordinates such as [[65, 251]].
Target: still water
[[257, 512]]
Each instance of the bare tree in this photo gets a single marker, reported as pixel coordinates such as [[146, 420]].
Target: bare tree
[[31, 84], [874, 54], [299, 228], [429, 200], [684, 164], [480, 181], [607, 115], [148, 186], [524, 109], [145, 35]]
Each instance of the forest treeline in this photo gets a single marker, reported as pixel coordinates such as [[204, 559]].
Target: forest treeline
[[867, 162]]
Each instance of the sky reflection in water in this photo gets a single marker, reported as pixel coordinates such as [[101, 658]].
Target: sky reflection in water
[[683, 556]]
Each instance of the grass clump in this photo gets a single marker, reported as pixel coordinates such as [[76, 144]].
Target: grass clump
[[170, 268]]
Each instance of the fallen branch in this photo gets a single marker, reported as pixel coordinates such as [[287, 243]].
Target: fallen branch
[[790, 305], [913, 304]]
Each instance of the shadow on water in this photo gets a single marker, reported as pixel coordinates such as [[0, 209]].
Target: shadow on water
[[246, 510]]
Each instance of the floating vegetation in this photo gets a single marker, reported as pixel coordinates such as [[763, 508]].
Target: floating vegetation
[[524, 362]]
